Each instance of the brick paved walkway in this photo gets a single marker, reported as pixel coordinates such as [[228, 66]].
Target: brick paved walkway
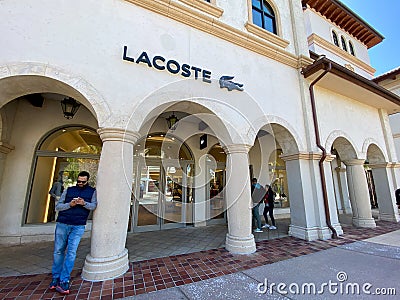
[[161, 273]]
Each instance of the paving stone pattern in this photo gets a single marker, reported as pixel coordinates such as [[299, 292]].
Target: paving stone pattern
[[149, 275]]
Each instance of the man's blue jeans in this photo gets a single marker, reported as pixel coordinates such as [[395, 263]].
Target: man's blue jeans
[[66, 242], [256, 215]]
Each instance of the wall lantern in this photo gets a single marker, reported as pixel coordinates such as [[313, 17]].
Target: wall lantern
[[69, 107], [172, 121]]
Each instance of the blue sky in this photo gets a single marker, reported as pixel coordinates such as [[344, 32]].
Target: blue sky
[[384, 17]]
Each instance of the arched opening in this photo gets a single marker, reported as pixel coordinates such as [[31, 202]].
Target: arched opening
[[32, 117], [382, 192], [273, 142], [59, 157], [351, 186]]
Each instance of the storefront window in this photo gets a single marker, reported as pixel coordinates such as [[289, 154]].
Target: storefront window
[[277, 168], [58, 160]]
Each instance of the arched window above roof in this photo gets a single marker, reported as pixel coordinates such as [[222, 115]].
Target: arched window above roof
[[351, 48], [263, 15], [344, 45], [335, 38]]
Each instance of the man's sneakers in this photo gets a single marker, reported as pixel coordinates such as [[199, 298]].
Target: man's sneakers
[[54, 283], [272, 227], [63, 288], [258, 230], [265, 226]]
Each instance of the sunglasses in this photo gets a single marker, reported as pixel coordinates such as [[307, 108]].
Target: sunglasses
[[80, 181]]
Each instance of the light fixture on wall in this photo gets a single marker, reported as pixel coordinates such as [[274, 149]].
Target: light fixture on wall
[[172, 121], [69, 107]]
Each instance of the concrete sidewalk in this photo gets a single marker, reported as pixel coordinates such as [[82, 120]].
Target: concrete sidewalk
[[360, 270]]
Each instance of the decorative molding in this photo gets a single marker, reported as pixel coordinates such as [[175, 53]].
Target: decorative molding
[[302, 156], [118, 135], [198, 20], [304, 61], [6, 148], [265, 34], [237, 148], [349, 66], [314, 38], [85, 92], [329, 157], [206, 7], [354, 162], [388, 165]]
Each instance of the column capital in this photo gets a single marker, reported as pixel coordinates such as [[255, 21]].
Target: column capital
[[5, 148], [118, 134], [354, 162], [340, 169], [301, 156], [236, 148]]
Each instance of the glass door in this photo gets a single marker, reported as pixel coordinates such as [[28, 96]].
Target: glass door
[[160, 196], [217, 206], [148, 197], [173, 198]]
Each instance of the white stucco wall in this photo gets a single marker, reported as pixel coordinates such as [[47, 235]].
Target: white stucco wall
[[349, 119]]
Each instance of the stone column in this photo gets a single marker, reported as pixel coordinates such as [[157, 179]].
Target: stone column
[[384, 188], [108, 256], [239, 238], [343, 188], [307, 212], [359, 194]]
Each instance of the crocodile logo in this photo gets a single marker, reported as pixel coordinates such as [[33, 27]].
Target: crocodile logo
[[226, 82]]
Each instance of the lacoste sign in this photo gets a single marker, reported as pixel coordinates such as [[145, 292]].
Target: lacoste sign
[[172, 66]]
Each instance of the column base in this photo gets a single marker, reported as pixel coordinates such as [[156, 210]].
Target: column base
[[389, 217], [308, 234], [338, 228], [99, 269], [348, 210], [314, 233], [240, 245], [364, 222]]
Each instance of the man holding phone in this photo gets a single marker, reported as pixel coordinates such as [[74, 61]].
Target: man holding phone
[[73, 208]]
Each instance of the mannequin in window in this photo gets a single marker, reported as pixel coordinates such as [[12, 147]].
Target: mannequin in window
[[55, 193]]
